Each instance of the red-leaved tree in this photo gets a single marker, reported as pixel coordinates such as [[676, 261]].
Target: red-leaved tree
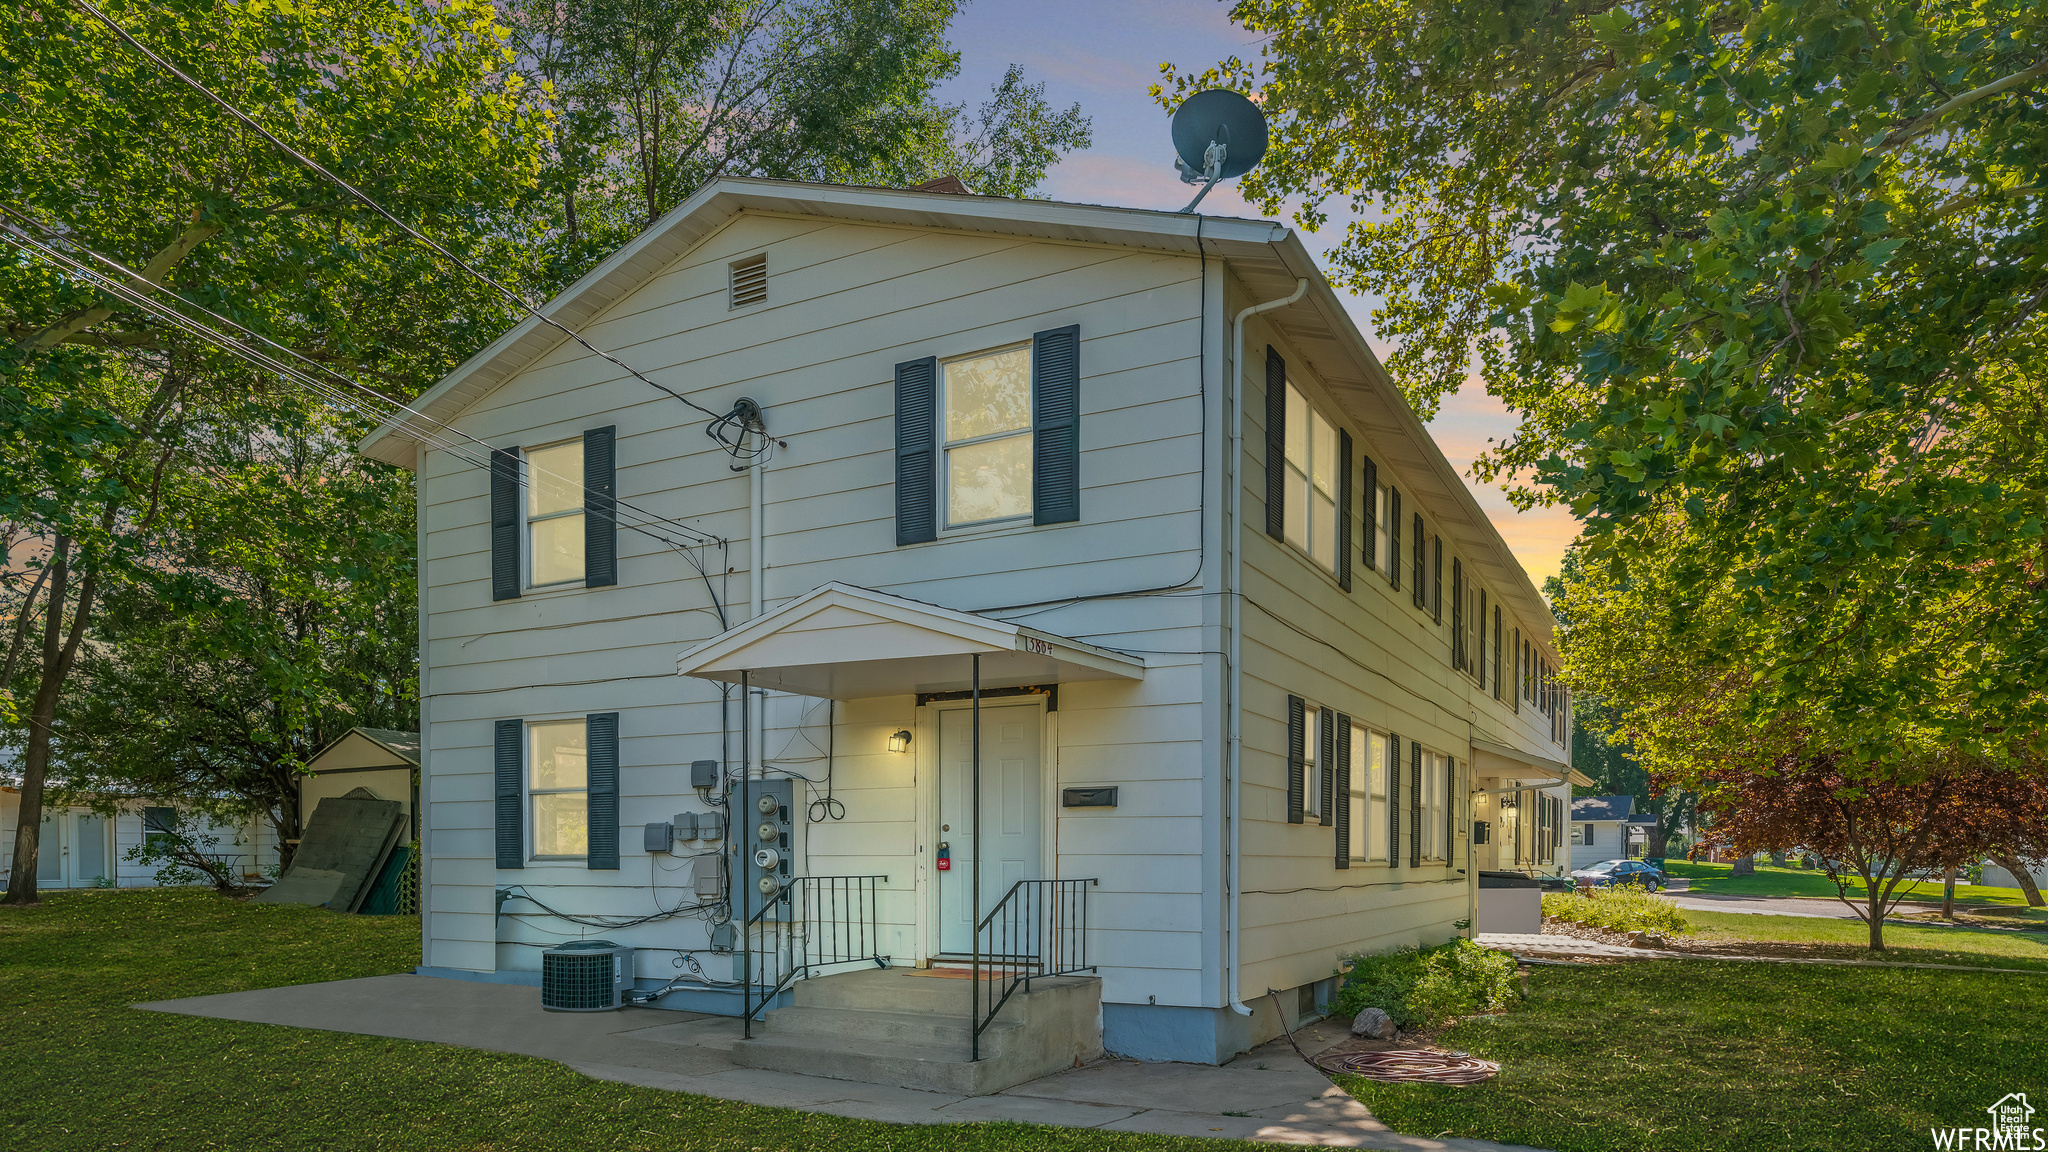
[[1882, 832]]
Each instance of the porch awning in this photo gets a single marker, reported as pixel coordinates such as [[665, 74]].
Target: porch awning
[[1505, 763], [848, 643]]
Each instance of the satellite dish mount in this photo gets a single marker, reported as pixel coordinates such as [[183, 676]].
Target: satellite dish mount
[[1217, 134]]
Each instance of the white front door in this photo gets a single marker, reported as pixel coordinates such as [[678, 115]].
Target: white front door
[[1012, 842], [87, 864], [50, 851]]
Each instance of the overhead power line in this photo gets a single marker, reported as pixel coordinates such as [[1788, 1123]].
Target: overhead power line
[[317, 168], [327, 392]]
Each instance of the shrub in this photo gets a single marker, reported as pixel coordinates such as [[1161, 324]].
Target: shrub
[[1617, 910], [1422, 986]]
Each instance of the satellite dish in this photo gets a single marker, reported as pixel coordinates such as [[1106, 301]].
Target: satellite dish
[[1217, 135]]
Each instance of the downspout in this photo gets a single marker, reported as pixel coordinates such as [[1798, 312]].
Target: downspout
[[1233, 601]]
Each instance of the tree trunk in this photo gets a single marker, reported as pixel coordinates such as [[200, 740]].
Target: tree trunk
[[60, 650], [2023, 877], [1875, 902], [1948, 895]]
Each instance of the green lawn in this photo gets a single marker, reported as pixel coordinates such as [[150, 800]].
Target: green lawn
[[1705, 1056], [88, 1072], [1769, 881], [1848, 940]]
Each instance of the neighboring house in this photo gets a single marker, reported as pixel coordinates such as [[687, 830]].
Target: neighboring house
[[1600, 827], [80, 848], [1996, 876], [1251, 702]]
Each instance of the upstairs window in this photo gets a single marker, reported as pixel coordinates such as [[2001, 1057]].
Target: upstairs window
[[1385, 559], [986, 402], [1312, 478], [554, 514]]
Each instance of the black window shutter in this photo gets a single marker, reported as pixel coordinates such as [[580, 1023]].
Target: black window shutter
[[1370, 519], [1479, 665], [1498, 636], [1450, 804], [917, 450], [510, 801], [1393, 801], [1436, 582], [1414, 805], [1421, 591], [504, 524], [1394, 538], [1297, 758], [1341, 769], [1326, 764], [1517, 690], [1457, 610], [1276, 445], [600, 508], [1344, 498], [1056, 425], [601, 730]]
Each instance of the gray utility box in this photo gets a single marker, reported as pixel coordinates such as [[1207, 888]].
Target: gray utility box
[[763, 839], [585, 976]]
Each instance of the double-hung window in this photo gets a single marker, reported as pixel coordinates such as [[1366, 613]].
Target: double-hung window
[[1368, 794], [1432, 804], [1313, 766], [554, 514], [1312, 474], [1387, 561], [558, 786], [988, 437]]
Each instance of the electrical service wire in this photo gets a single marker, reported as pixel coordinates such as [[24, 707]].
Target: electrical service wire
[[521, 892], [315, 167], [326, 392], [147, 302]]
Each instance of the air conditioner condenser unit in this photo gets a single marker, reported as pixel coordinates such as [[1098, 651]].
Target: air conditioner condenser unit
[[585, 976]]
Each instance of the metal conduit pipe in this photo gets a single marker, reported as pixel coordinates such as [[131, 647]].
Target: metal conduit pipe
[[1234, 606]]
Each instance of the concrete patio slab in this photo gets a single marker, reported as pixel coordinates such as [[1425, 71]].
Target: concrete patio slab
[[1280, 1100]]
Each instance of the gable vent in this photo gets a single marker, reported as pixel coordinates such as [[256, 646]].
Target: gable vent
[[749, 281]]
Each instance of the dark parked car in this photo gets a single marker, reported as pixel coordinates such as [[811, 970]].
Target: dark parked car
[[1608, 873]]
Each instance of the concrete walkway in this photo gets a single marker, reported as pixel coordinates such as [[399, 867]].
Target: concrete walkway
[[1535, 944], [1763, 905], [1266, 1095]]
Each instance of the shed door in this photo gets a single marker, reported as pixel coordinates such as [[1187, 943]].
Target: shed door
[[1012, 844]]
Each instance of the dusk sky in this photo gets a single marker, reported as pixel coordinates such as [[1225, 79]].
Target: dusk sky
[[1104, 54]]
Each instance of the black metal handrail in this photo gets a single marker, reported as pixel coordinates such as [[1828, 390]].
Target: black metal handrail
[[813, 922], [1038, 929]]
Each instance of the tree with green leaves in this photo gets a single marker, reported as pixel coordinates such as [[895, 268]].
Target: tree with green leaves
[[1764, 283], [648, 101], [107, 406], [279, 612]]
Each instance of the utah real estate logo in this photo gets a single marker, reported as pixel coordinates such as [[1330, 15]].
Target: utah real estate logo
[[2011, 1129]]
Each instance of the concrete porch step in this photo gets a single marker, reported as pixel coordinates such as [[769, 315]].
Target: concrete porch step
[[901, 1028], [874, 1062], [926, 1029]]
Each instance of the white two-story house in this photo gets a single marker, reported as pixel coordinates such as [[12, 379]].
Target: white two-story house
[[1254, 671]]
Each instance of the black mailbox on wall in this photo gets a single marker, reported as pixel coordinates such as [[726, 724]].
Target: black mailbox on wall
[[1088, 797], [1479, 832]]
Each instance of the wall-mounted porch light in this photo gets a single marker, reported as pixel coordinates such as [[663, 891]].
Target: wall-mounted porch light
[[900, 740]]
